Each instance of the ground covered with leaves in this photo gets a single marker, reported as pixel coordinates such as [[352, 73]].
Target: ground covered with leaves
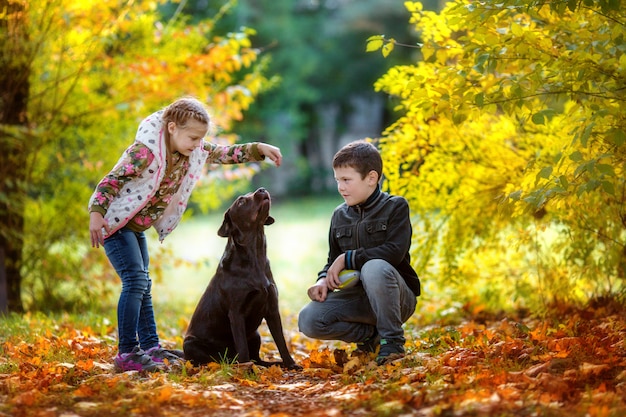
[[573, 365]]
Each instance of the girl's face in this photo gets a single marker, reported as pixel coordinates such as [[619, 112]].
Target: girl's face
[[186, 139], [354, 189]]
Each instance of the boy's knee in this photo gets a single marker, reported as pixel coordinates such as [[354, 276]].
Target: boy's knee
[[376, 268], [305, 323], [309, 322]]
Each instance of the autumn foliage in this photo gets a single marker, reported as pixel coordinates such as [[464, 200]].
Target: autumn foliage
[[93, 70], [574, 365], [511, 145]]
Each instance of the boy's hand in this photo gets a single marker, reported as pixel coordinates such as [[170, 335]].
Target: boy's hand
[[96, 224], [271, 152], [332, 274], [319, 291]]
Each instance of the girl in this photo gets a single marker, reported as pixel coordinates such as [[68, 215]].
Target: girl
[[150, 186]]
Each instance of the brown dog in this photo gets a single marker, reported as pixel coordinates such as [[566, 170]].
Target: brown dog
[[224, 326]]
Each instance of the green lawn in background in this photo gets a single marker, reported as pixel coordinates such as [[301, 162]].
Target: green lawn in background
[[297, 249]]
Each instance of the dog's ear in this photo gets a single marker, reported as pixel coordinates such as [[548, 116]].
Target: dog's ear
[[226, 227], [269, 220]]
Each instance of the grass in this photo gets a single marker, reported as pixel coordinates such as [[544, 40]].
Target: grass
[[297, 248]]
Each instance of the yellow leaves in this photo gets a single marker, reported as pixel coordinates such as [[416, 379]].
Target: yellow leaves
[[590, 370], [150, 61], [388, 47], [413, 6], [427, 52], [323, 358], [377, 42], [489, 88], [516, 29], [374, 43]]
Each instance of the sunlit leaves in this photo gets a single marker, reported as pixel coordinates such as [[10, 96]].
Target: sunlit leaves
[[574, 366], [513, 120], [375, 43], [96, 69]]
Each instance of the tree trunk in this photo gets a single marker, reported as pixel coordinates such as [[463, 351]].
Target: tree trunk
[[4, 299], [15, 59]]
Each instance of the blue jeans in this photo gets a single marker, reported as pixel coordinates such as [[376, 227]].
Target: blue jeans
[[128, 253], [382, 303]]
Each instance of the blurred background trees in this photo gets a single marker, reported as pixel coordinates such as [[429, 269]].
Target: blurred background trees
[[324, 97], [78, 76], [502, 124]]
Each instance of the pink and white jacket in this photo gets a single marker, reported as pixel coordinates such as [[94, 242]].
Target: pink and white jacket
[[137, 192]]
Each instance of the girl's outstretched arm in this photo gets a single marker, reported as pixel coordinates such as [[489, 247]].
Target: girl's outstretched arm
[[271, 152]]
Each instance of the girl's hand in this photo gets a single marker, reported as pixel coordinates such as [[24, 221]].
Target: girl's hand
[[96, 224], [271, 152]]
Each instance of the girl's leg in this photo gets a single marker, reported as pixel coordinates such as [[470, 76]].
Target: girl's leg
[[146, 326], [127, 252]]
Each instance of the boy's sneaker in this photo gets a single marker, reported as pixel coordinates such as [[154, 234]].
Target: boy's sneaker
[[137, 360], [369, 345], [389, 350], [158, 354]]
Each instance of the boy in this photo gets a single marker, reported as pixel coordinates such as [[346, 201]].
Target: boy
[[371, 233]]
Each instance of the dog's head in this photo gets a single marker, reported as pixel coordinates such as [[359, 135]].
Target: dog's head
[[248, 212]]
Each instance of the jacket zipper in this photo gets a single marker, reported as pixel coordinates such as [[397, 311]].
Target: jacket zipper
[[358, 223]]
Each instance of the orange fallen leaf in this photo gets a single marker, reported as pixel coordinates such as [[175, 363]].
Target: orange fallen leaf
[[28, 398], [83, 391], [589, 369], [352, 365], [85, 365], [165, 393]]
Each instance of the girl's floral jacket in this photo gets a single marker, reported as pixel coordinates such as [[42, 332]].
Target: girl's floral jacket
[[137, 179]]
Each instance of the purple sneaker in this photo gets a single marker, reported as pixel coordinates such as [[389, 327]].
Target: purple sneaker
[[158, 354], [137, 360]]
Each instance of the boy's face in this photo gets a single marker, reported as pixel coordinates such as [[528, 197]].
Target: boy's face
[[185, 140], [354, 189]]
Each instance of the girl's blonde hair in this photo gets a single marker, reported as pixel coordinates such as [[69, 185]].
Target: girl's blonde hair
[[184, 109]]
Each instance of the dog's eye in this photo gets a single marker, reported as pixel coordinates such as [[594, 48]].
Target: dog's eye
[[241, 202]]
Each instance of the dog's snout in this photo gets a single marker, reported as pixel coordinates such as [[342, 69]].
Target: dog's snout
[[262, 193]]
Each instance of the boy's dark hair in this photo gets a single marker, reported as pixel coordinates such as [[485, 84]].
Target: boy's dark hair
[[360, 155]]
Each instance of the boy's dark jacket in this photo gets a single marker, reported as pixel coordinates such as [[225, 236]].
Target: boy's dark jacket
[[380, 228]]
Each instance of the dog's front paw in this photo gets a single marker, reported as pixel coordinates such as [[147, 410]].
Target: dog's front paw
[[288, 365], [292, 366]]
